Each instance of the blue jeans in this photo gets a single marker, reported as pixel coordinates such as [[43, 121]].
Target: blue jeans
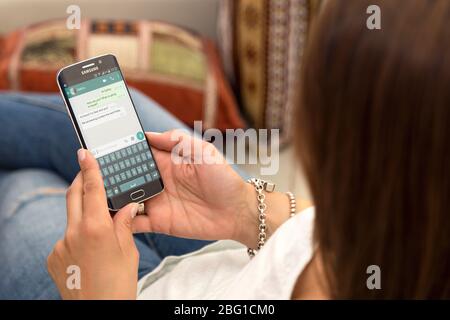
[[37, 162]]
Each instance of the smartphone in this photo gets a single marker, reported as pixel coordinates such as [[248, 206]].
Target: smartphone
[[106, 123]]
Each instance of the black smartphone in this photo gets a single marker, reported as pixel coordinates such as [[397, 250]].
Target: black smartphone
[[107, 124]]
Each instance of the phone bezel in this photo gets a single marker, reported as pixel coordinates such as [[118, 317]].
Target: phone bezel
[[115, 203]]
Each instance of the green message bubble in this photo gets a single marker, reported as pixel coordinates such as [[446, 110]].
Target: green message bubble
[[107, 95]]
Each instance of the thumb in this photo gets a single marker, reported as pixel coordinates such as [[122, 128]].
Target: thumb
[[122, 224], [168, 140]]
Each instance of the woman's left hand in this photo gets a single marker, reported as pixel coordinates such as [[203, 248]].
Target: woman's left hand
[[102, 249]]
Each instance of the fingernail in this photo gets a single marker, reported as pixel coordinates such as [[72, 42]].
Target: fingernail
[[152, 132], [134, 210], [81, 154]]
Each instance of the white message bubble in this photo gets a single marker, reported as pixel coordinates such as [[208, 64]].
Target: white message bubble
[[101, 115]]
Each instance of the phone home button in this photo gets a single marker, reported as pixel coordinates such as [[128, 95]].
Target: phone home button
[[137, 194]]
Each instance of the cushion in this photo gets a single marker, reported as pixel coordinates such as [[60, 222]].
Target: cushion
[[262, 44], [179, 69]]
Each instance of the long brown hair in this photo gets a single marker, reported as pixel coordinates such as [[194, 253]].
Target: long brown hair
[[374, 132]]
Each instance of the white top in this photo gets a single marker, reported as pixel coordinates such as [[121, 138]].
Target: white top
[[223, 269]]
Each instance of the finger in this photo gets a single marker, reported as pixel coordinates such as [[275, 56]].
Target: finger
[[184, 147], [74, 201], [162, 158], [123, 225], [155, 218], [94, 197], [166, 141], [141, 224]]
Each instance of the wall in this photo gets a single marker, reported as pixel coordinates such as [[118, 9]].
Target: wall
[[199, 15]]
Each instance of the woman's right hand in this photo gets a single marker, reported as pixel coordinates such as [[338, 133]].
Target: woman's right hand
[[204, 200]]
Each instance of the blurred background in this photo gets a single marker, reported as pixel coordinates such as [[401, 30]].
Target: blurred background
[[229, 63]]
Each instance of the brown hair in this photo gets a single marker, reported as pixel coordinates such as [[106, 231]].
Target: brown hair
[[374, 130]]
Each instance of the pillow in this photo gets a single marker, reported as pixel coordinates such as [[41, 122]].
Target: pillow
[[262, 44], [177, 68]]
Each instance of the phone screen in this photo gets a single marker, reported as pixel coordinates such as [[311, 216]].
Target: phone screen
[[112, 131]]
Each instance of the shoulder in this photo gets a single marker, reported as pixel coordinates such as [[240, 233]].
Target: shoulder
[[304, 221]]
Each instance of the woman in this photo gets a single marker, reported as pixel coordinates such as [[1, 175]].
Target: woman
[[373, 125], [38, 161]]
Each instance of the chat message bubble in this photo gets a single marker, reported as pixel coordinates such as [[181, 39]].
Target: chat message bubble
[[101, 115], [102, 105], [106, 95]]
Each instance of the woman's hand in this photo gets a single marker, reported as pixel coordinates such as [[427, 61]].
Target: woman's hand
[[204, 197], [103, 248]]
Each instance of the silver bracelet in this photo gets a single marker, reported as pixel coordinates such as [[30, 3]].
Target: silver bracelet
[[292, 204], [260, 186]]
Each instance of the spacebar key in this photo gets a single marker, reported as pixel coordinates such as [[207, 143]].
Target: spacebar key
[[132, 184]]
